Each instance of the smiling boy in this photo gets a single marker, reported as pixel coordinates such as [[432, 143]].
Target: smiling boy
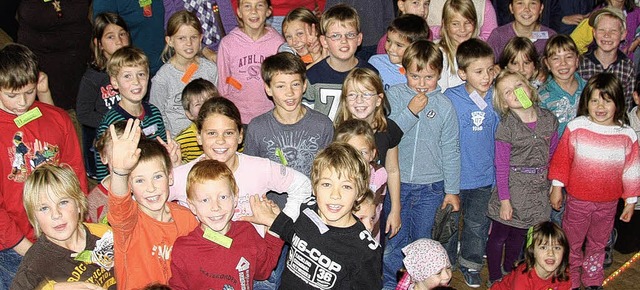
[[219, 245]]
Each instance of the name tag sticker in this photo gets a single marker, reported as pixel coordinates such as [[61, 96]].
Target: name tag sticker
[[523, 98], [186, 77], [315, 218], [150, 130], [27, 117], [540, 34], [478, 100], [84, 256], [280, 154], [217, 238]]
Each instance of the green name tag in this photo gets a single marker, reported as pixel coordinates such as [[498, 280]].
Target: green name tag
[[144, 2], [27, 117], [84, 256], [217, 238], [280, 155], [523, 98], [104, 220]]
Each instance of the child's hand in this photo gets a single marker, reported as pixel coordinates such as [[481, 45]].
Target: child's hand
[[264, 211], [393, 222], [313, 42], [574, 19], [418, 103], [124, 149], [627, 212], [42, 89], [76, 286], [506, 211], [556, 197], [453, 200], [173, 148]]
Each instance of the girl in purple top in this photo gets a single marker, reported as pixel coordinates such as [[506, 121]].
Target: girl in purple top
[[526, 24], [525, 140]]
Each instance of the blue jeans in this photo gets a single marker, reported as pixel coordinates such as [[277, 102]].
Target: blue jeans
[[475, 229], [419, 204], [274, 280], [9, 262]]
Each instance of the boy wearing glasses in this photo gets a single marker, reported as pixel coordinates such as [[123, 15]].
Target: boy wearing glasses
[[340, 35]]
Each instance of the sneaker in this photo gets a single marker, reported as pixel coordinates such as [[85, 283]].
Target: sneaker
[[472, 278]]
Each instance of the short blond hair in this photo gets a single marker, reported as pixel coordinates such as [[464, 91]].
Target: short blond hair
[[423, 54], [210, 169], [342, 14], [48, 179], [126, 56], [345, 161]]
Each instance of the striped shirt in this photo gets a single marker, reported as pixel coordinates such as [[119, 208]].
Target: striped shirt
[[189, 144], [152, 126]]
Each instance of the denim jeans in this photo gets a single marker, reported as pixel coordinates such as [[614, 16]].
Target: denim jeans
[[274, 280], [9, 262], [475, 229], [419, 204]]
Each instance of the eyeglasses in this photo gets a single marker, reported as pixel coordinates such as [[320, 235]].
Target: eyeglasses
[[338, 36], [365, 96]]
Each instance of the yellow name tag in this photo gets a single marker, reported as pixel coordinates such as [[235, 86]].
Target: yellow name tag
[[523, 98], [217, 238], [27, 117]]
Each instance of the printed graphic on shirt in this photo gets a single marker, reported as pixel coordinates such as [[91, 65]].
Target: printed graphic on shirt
[[324, 98], [311, 265], [102, 254], [297, 147], [163, 252], [100, 276], [477, 118], [563, 109], [250, 66], [27, 157], [109, 95], [243, 273]]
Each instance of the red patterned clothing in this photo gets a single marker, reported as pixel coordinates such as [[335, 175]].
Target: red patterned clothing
[[597, 163], [50, 138]]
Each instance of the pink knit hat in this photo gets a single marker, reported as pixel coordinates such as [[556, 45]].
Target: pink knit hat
[[424, 258]]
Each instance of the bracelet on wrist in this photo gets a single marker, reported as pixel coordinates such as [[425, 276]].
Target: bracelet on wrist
[[120, 174]]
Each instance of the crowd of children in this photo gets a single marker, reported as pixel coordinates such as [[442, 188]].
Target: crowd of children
[[260, 159]]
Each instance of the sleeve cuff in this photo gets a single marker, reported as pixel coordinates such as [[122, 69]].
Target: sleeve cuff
[[630, 200], [557, 183]]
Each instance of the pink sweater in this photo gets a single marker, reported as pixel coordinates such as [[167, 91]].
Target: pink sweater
[[597, 163], [239, 79]]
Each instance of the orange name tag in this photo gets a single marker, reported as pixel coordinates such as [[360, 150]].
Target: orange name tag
[[402, 71], [189, 73], [307, 58], [234, 83]]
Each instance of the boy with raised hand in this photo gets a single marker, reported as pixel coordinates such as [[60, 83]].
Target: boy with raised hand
[[340, 35], [219, 245], [402, 31], [609, 29], [330, 247], [33, 133], [145, 226], [477, 122]]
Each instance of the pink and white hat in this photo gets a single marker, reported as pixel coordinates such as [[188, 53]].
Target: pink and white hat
[[424, 258]]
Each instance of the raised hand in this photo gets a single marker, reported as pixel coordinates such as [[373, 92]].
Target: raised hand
[[418, 103], [173, 148], [125, 152]]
